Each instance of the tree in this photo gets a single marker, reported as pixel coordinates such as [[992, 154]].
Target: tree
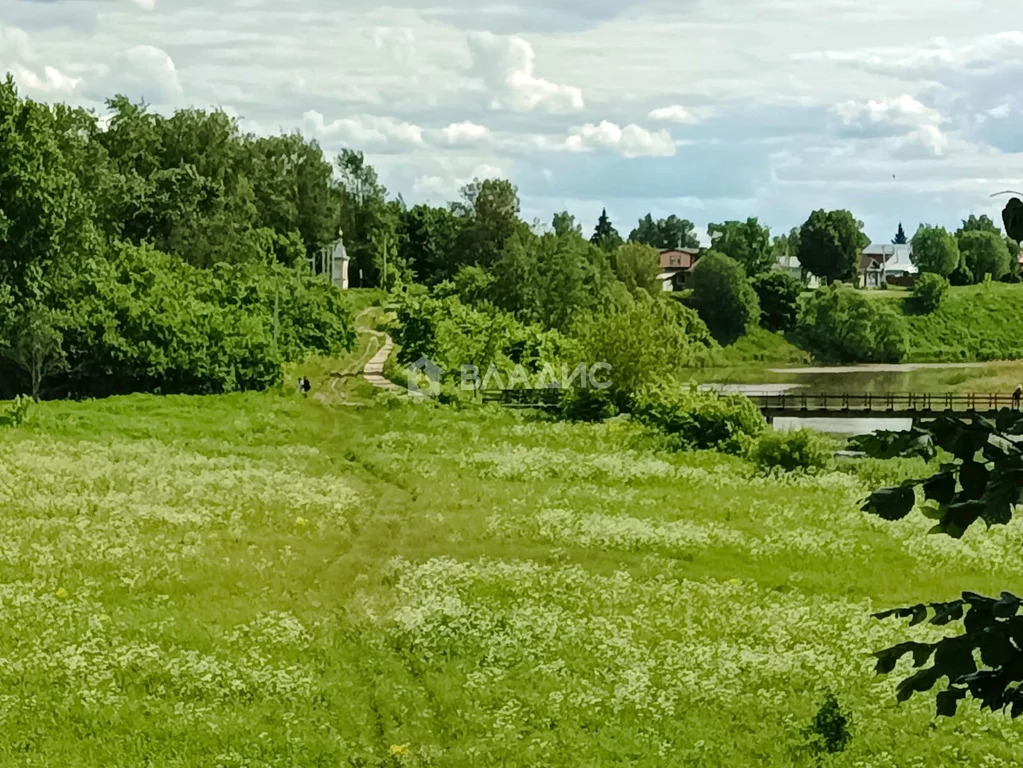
[[366, 220], [428, 241], [723, 297], [605, 236], [935, 250], [637, 266], [978, 224], [746, 242], [984, 253], [830, 244], [664, 234], [35, 344], [564, 224], [840, 325], [785, 245], [779, 294], [900, 236], [489, 210]]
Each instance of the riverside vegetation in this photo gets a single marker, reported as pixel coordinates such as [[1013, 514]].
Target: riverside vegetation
[[250, 580]]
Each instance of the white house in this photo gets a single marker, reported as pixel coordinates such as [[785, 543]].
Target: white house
[[881, 261]]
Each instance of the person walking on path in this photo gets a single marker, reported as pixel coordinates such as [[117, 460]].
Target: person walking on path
[[1016, 396]]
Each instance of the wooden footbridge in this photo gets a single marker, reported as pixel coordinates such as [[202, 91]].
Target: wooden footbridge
[[819, 405], [888, 406]]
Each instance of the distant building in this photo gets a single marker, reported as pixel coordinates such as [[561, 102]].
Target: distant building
[[791, 266], [676, 267], [883, 262]]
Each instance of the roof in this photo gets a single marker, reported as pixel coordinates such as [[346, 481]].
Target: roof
[[897, 258], [681, 258], [789, 262]]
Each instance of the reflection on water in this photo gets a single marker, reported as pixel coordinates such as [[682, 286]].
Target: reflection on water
[[843, 426]]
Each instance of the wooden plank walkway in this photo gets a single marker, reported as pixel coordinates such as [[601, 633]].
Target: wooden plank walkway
[[893, 405]]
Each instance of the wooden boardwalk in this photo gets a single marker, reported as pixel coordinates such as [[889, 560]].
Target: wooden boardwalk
[[817, 405], [895, 406]]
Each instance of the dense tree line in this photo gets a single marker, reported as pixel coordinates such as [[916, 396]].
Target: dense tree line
[[142, 252]]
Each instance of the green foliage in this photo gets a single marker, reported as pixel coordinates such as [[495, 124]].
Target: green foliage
[[830, 243], [900, 236], [839, 324], [935, 250], [800, 450], [15, 412], [490, 213], [723, 297], [778, 293], [829, 733], [588, 404], [694, 420], [984, 253], [428, 242], [982, 482], [564, 224], [747, 242], [647, 340], [550, 280], [664, 234], [929, 292], [637, 266], [472, 285], [605, 236], [961, 275]]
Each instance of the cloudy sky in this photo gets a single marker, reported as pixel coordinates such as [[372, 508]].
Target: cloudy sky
[[710, 109]]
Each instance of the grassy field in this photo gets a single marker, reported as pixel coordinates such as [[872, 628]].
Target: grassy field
[[975, 323], [261, 580]]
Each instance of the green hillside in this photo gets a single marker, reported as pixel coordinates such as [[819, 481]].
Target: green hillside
[[975, 323]]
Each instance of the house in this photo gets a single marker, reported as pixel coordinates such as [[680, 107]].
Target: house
[[676, 266], [882, 263], [790, 266]]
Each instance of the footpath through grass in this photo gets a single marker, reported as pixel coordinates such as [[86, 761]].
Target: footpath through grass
[[265, 581]]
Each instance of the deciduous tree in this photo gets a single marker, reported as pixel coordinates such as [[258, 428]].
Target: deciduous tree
[[935, 250], [830, 244]]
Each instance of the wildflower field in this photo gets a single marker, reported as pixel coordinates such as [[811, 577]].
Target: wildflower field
[[260, 580]]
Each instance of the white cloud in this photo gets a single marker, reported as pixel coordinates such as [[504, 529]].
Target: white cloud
[[903, 111], [506, 66], [145, 5], [52, 81], [140, 72], [926, 141], [630, 141], [674, 114], [447, 186], [465, 133], [369, 131]]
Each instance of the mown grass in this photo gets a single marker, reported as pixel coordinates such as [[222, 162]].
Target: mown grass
[[261, 580]]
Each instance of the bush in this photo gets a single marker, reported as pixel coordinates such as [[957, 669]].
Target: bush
[[961, 276], [723, 297], [841, 325], [985, 253], [929, 292], [646, 341], [694, 420], [793, 451], [588, 404], [779, 300]]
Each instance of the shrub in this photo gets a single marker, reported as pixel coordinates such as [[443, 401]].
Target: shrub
[[985, 253], [961, 276], [588, 404], [829, 731], [645, 341], [779, 300], [929, 292], [841, 325], [723, 297], [694, 420], [793, 451]]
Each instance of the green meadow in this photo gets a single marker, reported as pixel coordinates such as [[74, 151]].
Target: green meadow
[[262, 580]]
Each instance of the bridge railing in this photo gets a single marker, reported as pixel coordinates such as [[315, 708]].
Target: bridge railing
[[911, 402]]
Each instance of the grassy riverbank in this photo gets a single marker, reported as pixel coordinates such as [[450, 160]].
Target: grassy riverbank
[[256, 580]]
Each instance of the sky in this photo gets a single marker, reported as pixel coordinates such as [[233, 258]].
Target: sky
[[708, 109]]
